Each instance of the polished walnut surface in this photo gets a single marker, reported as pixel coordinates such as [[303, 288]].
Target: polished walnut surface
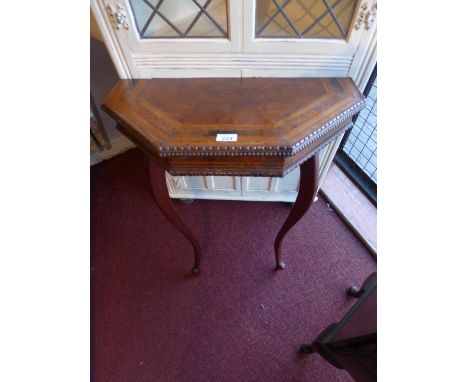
[[279, 122]]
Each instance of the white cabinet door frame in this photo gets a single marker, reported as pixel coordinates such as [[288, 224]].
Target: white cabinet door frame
[[337, 48], [141, 46]]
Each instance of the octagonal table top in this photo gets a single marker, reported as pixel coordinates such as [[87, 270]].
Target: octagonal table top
[[188, 124]]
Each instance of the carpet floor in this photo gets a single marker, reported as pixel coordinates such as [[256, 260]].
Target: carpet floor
[[239, 320]]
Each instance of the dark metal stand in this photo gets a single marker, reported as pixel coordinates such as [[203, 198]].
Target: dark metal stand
[[351, 343], [367, 285]]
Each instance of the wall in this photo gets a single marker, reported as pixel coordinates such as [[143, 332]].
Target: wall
[[103, 77]]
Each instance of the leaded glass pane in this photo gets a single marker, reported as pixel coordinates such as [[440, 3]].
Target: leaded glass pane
[[180, 18], [304, 18]]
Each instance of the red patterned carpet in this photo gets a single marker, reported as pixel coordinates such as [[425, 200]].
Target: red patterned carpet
[[238, 321]]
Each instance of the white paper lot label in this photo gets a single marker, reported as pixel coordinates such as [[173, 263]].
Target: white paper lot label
[[226, 137]]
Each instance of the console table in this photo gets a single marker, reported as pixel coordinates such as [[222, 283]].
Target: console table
[[233, 126]]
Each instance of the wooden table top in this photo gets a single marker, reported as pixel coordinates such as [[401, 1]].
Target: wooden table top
[[274, 123]]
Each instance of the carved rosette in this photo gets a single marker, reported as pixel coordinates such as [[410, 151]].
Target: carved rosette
[[366, 16], [371, 16], [179, 182], [118, 16]]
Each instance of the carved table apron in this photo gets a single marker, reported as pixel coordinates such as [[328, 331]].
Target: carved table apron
[[233, 126]]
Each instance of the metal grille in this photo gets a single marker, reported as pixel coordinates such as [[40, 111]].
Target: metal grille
[[304, 18], [180, 18], [361, 145], [357, 155]]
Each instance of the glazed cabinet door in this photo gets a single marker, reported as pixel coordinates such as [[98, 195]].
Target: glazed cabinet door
[[315, 37], [157, 37]]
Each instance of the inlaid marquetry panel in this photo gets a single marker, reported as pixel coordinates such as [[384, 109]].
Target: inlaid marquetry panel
[[278, 123]]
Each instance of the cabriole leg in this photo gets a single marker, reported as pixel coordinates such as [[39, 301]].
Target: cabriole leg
[[157, 180], [308, 188]]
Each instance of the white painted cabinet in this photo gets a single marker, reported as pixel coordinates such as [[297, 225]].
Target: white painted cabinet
[[234, 187], [240, 38]]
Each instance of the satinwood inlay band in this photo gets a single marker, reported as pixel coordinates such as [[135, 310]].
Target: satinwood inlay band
[[176, 121]]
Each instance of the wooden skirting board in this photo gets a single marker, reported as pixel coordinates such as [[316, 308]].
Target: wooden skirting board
[[119, 144], [351, 204]]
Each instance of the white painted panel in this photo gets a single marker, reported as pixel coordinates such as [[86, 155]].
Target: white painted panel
[[233, 64], [195, 182], [294, 72], [326, 157], [204, 187], [224, 183], [290, 182], [258, 184], [150, 72]]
